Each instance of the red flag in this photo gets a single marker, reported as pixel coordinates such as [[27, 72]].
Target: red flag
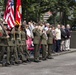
[[9, 14], [18, 12]]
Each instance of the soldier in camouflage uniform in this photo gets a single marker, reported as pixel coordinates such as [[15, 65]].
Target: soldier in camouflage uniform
[[1, 34], [13, 48], [36, 41], [19, 44], [24, 45], [44, 44], [50, 43], [4, 39]]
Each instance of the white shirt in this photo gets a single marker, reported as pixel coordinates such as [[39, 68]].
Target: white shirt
[[46, 28], [28, 32], [58, 34], [31, 27]]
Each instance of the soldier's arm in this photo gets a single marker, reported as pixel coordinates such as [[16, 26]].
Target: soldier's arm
[[34, 31], [41, 33], [47, 33], [52, 35], [26, 35]]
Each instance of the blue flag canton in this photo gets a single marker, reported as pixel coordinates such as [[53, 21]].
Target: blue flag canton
[[12, 3]]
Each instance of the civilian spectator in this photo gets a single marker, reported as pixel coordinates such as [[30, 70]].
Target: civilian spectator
[[63, 37], [58, 38], [54, 41], [67, 44], [31, 27], [28, 31]]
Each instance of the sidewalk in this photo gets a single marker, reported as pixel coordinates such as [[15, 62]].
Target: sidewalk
[[64, 52], [57, 54], [54, 54]]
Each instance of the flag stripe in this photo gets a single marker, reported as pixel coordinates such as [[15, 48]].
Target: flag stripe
[[11, 21]]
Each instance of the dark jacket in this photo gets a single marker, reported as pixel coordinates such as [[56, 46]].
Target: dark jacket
[[63, 34], [68, 33]]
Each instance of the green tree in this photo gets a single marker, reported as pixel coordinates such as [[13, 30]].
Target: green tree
[[33, 9], [65, 8]]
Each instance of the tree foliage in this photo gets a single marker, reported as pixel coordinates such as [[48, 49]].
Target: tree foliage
[[33, 9]]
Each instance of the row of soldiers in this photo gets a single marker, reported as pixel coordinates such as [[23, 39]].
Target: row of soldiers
[[43, 39], [13, 47]]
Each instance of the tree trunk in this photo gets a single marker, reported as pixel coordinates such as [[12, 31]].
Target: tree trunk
[[64, 18]]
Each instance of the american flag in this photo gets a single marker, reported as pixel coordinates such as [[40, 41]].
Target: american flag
[[9, 14]]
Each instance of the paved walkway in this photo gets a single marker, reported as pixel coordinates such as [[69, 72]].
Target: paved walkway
[[61, 65], [64, 52]]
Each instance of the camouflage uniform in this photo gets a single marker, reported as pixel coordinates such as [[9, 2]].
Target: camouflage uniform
[[36, 41], [49, 42], [4, 39], [44, 44], [19, 44], [23, 40], [13, 47]]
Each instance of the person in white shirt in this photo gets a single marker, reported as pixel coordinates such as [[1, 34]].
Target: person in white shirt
[[28, 31], [58, 38], [31, 27]]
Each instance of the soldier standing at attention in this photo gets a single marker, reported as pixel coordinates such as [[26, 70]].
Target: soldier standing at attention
[[50, 43], [19, 44], [4, 45], [14, 47], [36, 41], [24, 45], [44, 44], [1, 34]]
